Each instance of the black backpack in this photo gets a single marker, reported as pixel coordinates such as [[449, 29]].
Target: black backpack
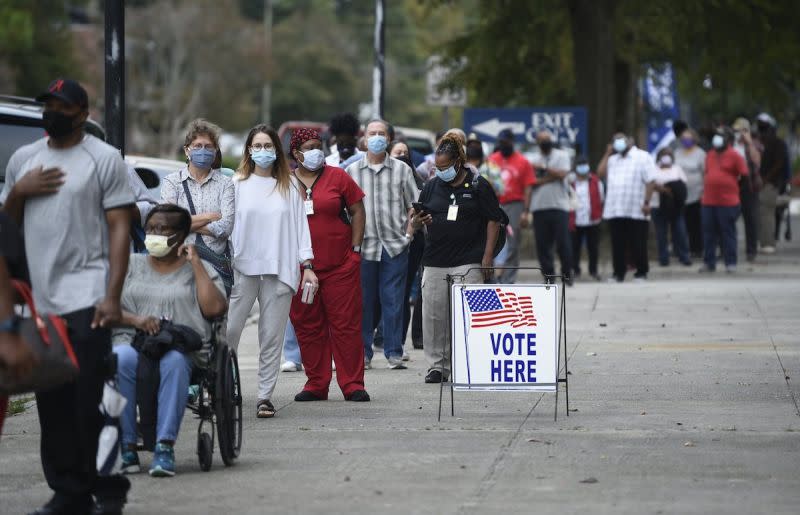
[[673, 204]]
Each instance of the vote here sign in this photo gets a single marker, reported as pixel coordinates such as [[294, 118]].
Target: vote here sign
[[504, 337]]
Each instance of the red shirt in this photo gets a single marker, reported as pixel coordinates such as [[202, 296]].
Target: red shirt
[[721, 184], [517, 173], [331, 238]]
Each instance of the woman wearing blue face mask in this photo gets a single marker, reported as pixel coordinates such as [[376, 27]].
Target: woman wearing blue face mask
[[207, 194], [462, 218], [271, 241]]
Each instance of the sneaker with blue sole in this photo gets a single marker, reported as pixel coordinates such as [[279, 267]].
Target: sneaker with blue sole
[[163, 461], [130, 462]]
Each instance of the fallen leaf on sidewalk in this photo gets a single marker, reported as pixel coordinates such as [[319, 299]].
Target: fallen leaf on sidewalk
[[603, 324], [591, 354], [589, 481], [534, 440], [688, 444]]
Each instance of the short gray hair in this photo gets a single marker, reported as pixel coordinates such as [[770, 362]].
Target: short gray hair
[[379, 120]]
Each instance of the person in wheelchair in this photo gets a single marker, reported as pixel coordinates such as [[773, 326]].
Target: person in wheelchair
[[171, 283]]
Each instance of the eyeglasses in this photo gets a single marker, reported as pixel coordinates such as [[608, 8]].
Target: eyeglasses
[[198, 146], [258, 146]]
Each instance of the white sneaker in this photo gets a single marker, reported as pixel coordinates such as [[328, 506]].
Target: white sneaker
[[367, 364], [396, 364], [731, 269], [767, 250], [406, 355], [291, 366]]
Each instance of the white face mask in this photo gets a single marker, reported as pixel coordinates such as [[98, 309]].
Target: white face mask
[[157, 245], [665, 160], [620, 144], [718, 141], [313, 159]]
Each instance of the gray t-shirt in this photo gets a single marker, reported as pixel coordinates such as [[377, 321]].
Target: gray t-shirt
[[693, 163], [553, 195], [173, 296], [66, 234]]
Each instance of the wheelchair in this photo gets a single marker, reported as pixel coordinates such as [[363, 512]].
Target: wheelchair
[[219, 401]]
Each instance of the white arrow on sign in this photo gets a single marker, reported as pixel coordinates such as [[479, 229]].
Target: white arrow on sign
[[494, 126]]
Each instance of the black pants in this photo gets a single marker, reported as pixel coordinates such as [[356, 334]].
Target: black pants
[[590, 234], [694, 228], [551, 226], [750, 212], [70, 420], [629, 238]]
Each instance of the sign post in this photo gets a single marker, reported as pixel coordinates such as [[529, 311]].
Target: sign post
[[507, 338], [436, 95]]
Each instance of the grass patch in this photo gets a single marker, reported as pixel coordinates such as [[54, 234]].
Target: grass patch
[[17, 406]]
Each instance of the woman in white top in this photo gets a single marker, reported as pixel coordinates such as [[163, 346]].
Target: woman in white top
[[692, 159], [666, 206], [270, 241]]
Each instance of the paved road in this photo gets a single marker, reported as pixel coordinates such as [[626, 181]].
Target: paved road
[[686, 396]]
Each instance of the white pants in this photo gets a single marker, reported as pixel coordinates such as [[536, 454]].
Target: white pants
[[274, 301]]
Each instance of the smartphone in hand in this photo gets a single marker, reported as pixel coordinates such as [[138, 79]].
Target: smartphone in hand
[[418, 207]]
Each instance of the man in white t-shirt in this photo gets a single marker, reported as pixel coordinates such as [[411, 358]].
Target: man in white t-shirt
[[550, 206], [628, 170], [70, 193]]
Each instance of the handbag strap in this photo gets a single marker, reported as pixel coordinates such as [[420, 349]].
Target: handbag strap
[[25, 292], [198, 239]]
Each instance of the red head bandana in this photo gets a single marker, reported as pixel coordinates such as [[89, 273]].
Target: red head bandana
[[300, 136]]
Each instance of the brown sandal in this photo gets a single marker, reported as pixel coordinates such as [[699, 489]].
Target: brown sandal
[[265, 409]]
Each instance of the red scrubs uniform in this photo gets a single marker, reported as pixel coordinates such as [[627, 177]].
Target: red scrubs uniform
[[330, 327]]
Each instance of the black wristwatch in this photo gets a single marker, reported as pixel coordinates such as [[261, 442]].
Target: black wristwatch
[[308, 266], [10, 324]]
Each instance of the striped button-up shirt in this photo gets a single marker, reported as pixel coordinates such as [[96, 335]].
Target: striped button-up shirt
[[627, 178], [389, 191], [214, 195]]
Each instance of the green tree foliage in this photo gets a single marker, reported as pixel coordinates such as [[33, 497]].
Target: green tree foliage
[[592, 52], [35, 44]]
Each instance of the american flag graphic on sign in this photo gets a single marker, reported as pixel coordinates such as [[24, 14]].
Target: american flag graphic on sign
[[491, 307]]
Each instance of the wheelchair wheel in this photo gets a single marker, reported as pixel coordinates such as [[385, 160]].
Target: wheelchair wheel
[[228, 405], [205, 451]]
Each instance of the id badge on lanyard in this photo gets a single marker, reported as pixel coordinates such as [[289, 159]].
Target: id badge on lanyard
[[308, 203], [452, 209]]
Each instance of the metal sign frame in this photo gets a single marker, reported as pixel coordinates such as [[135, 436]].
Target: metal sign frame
[[561, 347]]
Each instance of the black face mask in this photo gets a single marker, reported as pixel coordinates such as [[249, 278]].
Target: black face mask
[[58, 124], [763, 128], [506, 148], [346, 151], [546, 146], [474, 152]]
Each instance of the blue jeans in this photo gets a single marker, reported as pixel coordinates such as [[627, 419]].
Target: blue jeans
[[384, 280], [175, 369], [719, 223], [680, 238], [291, 349]]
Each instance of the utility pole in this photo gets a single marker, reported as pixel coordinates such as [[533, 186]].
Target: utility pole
[[266, 91], [378, 70], [115, 73]]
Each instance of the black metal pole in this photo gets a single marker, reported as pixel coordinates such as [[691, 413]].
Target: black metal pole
[[378, 80], [115, 73]]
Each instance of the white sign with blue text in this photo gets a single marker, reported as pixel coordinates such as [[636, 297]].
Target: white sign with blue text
[[504, 337]]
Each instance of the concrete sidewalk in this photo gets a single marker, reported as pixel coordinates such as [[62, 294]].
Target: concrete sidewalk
[[686, 396]]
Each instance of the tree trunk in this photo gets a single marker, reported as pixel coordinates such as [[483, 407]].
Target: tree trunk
[[593, 56]]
